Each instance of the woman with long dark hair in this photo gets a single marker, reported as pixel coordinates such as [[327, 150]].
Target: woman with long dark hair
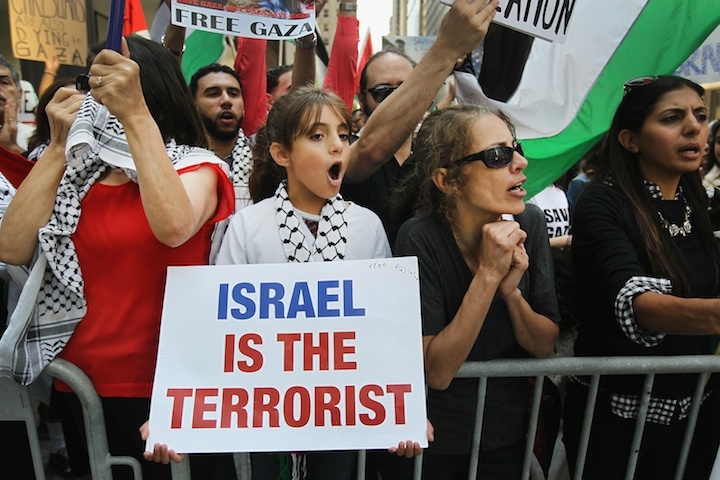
[[645, 268], [135, 193]]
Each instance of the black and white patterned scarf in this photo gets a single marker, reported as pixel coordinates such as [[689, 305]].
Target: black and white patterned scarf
[[52, 302], [331, 235], [241, 160]]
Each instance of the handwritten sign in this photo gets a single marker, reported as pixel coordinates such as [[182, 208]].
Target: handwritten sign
[[41, 29], [279, 20], [290, 357]]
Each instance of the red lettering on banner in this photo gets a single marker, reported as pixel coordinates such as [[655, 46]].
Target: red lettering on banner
[[289, 340], [300, 406], [349, 405], [376, 407], [398, 392], [245, 348], [340, 350], [201, 407], [265, 400], [237, 407], [327, 399], [310, 350], [289, 407], [178, 395]]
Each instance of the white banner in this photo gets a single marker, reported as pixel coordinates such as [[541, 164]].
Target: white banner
[[703, 66], [290, 357], [246, 18], [548, 19]]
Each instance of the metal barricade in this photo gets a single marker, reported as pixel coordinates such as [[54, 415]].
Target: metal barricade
[[100, 459], [594, 367]]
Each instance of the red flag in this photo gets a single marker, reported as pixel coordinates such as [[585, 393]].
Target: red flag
[[134, 21], [14, 166], [341, 76], [365, 53]]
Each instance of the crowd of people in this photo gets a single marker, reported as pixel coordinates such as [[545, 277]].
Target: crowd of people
[[142, 171]]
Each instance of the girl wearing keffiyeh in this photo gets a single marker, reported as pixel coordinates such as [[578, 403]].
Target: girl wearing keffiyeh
[[115, 199]]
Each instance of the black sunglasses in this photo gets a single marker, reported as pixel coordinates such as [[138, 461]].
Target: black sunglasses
[[381, 92], [493, 157], [638, 82]]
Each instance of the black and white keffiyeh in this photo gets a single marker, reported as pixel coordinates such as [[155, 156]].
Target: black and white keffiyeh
[[52, 302], [241, 160], [331, 235]]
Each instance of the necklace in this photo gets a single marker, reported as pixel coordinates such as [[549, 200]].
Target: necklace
[[674, 229]]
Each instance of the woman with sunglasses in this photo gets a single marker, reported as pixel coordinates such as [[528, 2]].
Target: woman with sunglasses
[[645, 269], [486, 284]]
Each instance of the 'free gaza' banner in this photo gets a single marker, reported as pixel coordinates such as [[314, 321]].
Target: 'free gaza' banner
[[290, 357]]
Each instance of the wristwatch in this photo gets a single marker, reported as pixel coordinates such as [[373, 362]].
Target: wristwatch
[[348, 7], [174, 52]]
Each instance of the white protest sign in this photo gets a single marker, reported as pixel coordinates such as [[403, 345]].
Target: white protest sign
[[290, 357], [282, 20], [703, 66], [548, 19]]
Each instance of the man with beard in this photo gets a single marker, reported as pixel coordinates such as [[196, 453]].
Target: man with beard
[[218, 97]]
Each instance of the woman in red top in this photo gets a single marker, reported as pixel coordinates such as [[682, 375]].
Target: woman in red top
[[136, 194]]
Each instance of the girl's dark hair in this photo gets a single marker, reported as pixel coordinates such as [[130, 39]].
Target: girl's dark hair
[[621, 167], [445, 135], [166, 94], [291, 117], [42, 124]]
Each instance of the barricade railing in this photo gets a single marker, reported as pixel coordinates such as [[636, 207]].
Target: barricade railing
[[593, 367], [101, 461]]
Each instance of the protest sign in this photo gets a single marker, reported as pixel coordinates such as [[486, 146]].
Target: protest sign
[[43, 28], [546, 19], [280, 20], [703, 66], [290, 357]]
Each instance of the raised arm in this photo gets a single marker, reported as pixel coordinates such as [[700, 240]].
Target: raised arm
[[176, 206], [463, 27], [33, 203]]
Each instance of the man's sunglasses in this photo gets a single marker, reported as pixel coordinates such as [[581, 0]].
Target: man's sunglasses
[[493, 157], [381, 92]]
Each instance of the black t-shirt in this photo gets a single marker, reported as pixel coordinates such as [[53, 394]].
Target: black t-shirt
[[444, 279]]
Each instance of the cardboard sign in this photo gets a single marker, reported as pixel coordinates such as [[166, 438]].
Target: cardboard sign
[[290, 357], [43, 28], [548, 19], [277, 20]]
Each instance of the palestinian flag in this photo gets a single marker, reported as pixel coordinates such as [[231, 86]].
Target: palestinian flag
[[562, 97]]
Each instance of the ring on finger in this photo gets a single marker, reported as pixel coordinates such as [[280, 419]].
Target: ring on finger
[[99, 82]]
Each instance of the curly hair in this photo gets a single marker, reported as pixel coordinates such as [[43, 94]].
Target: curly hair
[[444, 136]]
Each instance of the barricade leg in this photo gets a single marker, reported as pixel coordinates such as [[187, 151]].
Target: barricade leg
[[99, 455], [15, 405]]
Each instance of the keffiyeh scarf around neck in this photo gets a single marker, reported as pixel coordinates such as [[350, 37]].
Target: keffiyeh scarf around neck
[[241, 160], [331, 235], [328, 246], [52, 302]]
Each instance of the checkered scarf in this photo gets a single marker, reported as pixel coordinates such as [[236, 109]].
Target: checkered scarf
[[331, 235], [52, 302]]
